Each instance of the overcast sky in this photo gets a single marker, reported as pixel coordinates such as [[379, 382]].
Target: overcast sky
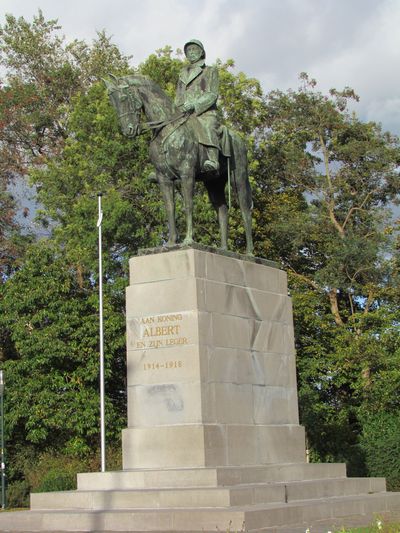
[[338, 42]]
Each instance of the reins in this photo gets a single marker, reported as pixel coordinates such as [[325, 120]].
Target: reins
[[159, 124], [155, 126], [151, 125]]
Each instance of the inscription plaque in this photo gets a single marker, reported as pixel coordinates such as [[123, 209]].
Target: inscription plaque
[[158, 332]]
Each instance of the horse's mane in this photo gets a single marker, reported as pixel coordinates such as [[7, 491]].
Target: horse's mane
[[143, 82]]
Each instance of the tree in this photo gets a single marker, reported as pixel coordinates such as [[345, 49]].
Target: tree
[[347, 171], [55, 357], [52, 372], [9, 246], [322, 184], [338, 177], [43, 74]]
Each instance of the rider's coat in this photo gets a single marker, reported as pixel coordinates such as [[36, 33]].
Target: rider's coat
[[199, 85]]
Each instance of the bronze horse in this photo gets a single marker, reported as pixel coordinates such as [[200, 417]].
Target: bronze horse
[[175, 154]]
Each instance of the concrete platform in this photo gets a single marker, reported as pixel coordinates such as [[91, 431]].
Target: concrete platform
[[318, 515], [208, 477], [240, 495], [213, 441], [318, 496]]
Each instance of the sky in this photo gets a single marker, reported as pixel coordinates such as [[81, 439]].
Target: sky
[[340, 43]]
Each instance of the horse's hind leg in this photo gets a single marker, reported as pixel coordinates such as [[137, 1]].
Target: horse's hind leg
[[242, 185], [216, 193], [246, 206], [168, 192], [187, 188]]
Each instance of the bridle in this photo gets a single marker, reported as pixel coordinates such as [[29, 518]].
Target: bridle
[[135, 105], [129, 93]]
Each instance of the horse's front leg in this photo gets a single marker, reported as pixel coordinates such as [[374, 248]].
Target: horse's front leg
[[216, 193], [223, 225], [168, 192], [188, 183]]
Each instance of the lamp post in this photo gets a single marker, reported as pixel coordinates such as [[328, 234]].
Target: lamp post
[[2, 458]]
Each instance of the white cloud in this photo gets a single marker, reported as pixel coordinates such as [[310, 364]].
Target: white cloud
[[339, 42]]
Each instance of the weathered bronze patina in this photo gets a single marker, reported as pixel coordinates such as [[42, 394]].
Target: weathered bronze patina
[[197, 92], [188, 143]]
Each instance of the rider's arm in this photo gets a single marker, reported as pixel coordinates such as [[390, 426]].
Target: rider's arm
[[180, 94], [209, 84]]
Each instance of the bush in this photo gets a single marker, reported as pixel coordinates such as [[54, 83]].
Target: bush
[[53, 472], [57, 480], [380, 441], [18, 494]]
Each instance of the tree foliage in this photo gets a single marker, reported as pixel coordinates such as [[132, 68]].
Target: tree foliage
[[338, 180], [324, 183], [52, 372], [43, 74], [10, 241]]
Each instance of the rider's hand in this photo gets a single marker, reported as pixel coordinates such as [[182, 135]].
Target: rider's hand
[[188, 107]]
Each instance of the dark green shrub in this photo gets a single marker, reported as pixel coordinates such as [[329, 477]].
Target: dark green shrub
[[18, 494], [55, 480], [380, 441], [54, 472]]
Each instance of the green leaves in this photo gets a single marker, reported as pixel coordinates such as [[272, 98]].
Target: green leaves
[[323, 184], [43, 75], [340, 258], [348, 172], [52, 381]]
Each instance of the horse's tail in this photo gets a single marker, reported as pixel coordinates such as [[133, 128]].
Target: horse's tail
[[241, 183], [240, 171]]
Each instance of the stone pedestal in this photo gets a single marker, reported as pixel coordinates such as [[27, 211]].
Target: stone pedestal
[[211, 363], [213, 439]]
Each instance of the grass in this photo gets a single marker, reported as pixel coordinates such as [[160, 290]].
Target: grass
[[13, 509], [379, 526], [384, 528]]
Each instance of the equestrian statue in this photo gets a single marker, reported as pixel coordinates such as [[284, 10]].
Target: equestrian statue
[[188, 142]]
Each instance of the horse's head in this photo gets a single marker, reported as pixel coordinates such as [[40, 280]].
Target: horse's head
[[126, 101]]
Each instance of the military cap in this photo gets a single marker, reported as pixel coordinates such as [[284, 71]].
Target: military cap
[[198, 43]]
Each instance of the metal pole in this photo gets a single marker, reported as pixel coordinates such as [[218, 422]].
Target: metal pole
[[102, 409], [229, 182], [3, 465]]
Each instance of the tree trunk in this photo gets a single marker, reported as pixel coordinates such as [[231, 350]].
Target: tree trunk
[[335, 307]]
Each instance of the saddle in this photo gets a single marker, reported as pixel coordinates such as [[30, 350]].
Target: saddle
[[226, 142], [225, 147]]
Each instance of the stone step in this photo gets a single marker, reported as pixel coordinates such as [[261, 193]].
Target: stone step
[[335, 512], [208, 477], [207, 497], [332, 512], [326, 488]]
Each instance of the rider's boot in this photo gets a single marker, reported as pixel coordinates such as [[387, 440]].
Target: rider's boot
[[211, 164]]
